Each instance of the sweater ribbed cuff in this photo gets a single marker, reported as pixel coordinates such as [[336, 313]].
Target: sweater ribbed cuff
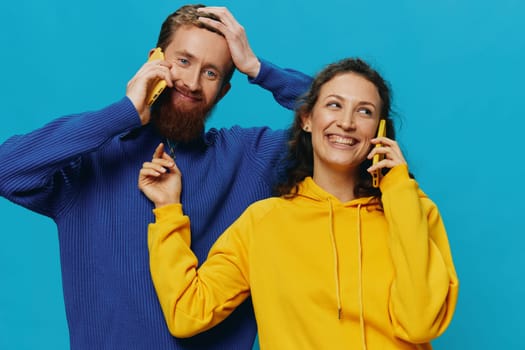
[[168, 211]]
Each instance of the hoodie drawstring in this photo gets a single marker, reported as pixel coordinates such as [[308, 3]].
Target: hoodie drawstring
[[360, 272], [336, 261]]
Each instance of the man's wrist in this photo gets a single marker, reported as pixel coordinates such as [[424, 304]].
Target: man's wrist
[[253, 72]]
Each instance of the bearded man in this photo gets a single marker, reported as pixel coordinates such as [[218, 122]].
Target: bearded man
[[81, 172]]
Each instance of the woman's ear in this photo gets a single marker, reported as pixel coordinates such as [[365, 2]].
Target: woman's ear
[[306, 122]]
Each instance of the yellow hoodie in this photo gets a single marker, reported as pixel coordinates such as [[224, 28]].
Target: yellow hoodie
[[322, 274]]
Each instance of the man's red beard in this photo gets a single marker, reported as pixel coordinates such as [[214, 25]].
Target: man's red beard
[[182, 122]]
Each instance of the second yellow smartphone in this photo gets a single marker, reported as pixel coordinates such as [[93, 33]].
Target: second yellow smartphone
[[376, 174], [159, 87]]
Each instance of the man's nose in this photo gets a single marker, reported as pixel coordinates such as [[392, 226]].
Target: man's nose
[[190, 77]]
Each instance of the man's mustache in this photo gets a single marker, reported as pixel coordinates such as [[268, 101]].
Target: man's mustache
[[198, 95]]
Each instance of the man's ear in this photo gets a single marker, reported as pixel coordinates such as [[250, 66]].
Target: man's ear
[[224, 90]]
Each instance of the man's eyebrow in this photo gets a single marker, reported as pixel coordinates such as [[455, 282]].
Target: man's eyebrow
[[184, 53]]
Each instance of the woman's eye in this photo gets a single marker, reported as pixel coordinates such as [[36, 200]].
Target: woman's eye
[[333, 105], [183, 61], [365, 111]]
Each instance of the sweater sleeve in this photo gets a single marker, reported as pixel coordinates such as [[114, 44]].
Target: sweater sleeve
[[194, 300], [425, 287], [38, 169], [286, 85]]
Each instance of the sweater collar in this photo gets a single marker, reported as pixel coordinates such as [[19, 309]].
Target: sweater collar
[[149, 131]]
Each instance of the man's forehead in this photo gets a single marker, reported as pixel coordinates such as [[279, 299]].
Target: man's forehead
[[189, 32], [201, 44]]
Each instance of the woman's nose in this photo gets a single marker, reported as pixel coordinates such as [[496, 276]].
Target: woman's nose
[[346, 121]]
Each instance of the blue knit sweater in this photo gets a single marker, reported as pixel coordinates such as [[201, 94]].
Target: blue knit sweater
[[82, 172]]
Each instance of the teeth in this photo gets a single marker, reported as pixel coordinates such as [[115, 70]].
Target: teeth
[[341, 140]]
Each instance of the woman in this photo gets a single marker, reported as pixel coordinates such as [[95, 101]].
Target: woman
[[334, 262]]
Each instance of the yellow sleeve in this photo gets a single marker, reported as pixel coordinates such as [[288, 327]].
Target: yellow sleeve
[[194, 300], [425, 287]]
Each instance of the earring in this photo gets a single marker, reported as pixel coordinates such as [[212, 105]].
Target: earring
[[306, 128]]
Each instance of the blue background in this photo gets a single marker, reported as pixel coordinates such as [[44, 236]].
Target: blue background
[[456, 68]]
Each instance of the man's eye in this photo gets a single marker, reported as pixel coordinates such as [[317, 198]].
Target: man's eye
[[210, 74], [183, 61]]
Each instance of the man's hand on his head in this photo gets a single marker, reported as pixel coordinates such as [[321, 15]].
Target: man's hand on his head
[[242, 54]]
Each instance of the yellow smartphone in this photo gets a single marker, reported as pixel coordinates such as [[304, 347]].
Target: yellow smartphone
[[159, 87], [376, 174]]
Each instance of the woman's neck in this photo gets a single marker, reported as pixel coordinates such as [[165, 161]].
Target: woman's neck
[[340, 185]]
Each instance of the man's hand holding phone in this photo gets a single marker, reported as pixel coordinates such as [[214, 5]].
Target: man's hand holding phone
[[148, 83], [159, 86]]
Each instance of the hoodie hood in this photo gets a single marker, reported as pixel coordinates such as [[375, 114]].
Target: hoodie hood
[[308, 189]]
